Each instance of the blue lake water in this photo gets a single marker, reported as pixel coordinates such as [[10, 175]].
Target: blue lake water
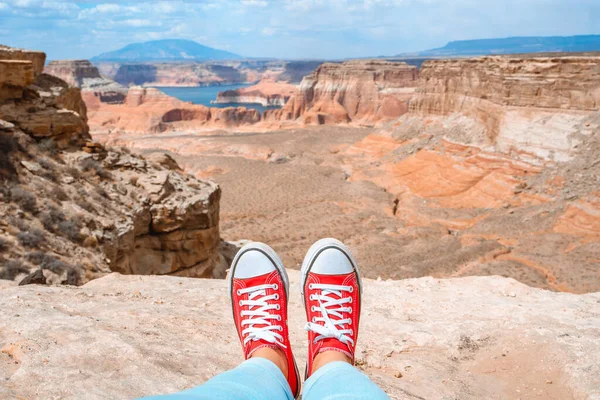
[[205, 94]]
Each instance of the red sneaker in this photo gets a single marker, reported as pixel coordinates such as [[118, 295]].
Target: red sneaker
[[258, 289], [331, 292]]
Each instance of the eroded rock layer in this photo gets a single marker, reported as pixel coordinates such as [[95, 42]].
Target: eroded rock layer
[[148, 110], [266, 93], [72, 210], [527, 105], [84, 75], [353, 91]]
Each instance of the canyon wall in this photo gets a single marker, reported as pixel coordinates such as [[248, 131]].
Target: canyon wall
[[266, 93], [361, 91], [84, 75], [498, 156], [72, 210], [148, 110], [527, 105]]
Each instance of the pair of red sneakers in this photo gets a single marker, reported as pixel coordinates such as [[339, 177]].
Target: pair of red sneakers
[[331, 293]]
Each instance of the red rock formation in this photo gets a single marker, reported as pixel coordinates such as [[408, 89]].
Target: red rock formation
[[37, 58], [147, 110], [266, 93], [84, 75], [38, 104], [528, 105], [363, 91]]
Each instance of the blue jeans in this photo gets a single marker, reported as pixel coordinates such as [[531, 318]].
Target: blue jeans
[[260, 379]]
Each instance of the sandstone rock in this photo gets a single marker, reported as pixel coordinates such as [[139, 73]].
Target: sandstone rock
[[165, 160], [177, 230], [35, 278], [14, 76], [88, 211], [461, 338], [358, 91], [148, 110], [37, 58], [530, 104], [266, 93], [6, 126], [84, 75]]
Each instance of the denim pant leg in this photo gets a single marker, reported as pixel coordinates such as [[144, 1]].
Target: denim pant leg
[[340, 381], [254, 379]]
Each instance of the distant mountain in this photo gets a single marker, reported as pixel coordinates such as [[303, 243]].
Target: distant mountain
[[165, 50], [515, 45]]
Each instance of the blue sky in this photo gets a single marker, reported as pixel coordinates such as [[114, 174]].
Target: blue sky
[[286, 28]]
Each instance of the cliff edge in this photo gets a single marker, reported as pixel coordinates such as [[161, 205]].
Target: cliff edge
[[469, 338]]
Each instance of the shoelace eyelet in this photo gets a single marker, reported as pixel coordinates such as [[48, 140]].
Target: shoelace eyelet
[[240, 303], [311, 297], [350, 310], [351, 289], [279, 318], [238, 292], [310, 286], [275, 286], [276, 296], [350, 300], [314, 319], [278, 307], [313, 308]]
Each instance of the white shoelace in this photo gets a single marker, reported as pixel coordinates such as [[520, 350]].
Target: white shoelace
[[331, 327], [258, 314]]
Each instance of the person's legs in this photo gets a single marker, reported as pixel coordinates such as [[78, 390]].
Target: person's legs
[[331, 292], [258, 288], [254, 379], [340, 380]]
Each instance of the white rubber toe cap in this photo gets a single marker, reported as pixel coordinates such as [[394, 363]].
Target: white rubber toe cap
[[251, 263], [332, 261]]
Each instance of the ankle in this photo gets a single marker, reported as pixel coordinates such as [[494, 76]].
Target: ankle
[[276, 356], [326, 357]]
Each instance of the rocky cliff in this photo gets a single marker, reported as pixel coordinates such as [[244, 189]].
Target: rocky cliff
[[498, 158], [467, 338], [526, 105], [148, 110], [362, 91], [266, 93], [84, 75], [73, 210]]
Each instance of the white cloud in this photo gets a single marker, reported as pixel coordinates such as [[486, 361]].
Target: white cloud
[[3, 6], [256, 3], [27, 3], [268, 31], [136, 23], [108, 8]]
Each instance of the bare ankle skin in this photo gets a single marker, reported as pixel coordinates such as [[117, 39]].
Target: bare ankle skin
[[276, 356], [328, 356]]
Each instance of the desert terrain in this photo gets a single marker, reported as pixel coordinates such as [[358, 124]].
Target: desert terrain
[[475, 182], [456, 180]]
